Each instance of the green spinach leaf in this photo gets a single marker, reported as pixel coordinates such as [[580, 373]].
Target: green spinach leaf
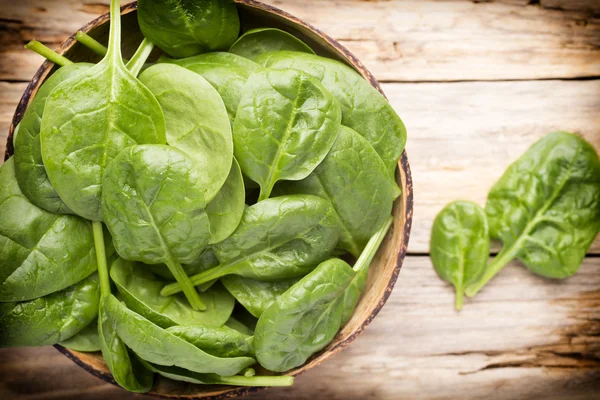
[[205, 261], [86, 340], [460, 245], [264, 40], [153, 206], [256, 296], [546, 208], [89, 118], [239, 326], [197, 121], [217, 341], [40, 252], [50, 319], [184, 28], [284, 127], [278, 238], [354, 179]]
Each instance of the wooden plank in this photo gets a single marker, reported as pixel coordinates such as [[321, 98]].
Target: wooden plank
[[590, 6], [409, 40], [522, 336]]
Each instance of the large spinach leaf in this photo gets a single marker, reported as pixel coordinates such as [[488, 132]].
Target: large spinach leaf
[[227, 73], [153, 206], [282, 237], [40, 252], [140, 290], [197, 121], [256, 296], [184, 28], [89, 118], [546, 208], [217, 341], [354, 179], [285, 125], [364, 109], [264, 40], [50, 319], [305, 318], [156, 345], [460, 245]]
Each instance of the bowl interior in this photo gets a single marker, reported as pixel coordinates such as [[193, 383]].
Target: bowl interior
[[386, 265]]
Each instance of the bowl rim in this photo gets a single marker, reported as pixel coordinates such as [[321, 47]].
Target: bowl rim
[[403, 165]]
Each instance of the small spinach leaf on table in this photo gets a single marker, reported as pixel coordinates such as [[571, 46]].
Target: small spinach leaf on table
[[285, 125], [89, 118], [50, 319], [196, 121], [29, 167], [153, 206], [546, 208], [353, 178], [156, 345], [460, 245], [226, 72], [86, 340], [140, 290], [256, 296], [41, 252], [186, 28], [278, 238], [218, 341], [264, 40], [305, 318], [364, 109]]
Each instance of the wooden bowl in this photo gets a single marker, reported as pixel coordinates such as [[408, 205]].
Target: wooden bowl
[[386, 265]]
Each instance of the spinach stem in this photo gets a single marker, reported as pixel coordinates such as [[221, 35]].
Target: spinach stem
[[198, 279], [91, 43], [254, 380], [264, 194], [365, 258], [101, 258], [139, 58], [184, 283], [503, 258], [48, 53], [114, 38], [458, 301]]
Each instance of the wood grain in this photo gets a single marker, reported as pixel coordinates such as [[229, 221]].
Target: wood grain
[[411, 40], [507, 343]]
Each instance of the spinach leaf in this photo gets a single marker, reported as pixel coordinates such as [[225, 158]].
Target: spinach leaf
[[196, 120], [86, 340], [50, 319], [180, 374], [185, 28], [226, 209], [153, 206], [278, 238], [89, 118], [256, 296], [305, 318], [40, 252], [205, 261], [140, 290], [364, 109], [217, 341], [155, 345], [29, 167], [239, 326], [264, 40], [226, 72], [284, 127], [460, 245], [546, 208], [354, 179]]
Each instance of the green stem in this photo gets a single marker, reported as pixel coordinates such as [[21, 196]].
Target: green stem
[[114, 38], [48, 53], [458, 301], [264, 194], [503, 258], [91, 43], [101, 258], [254, 380], [198, 279], [372, 246], [185, 283], [139, 58]]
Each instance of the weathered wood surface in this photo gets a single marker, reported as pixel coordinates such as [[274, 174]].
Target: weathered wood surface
[[523, 336]]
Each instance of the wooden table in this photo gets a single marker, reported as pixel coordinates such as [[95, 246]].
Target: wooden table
[[476, 84]]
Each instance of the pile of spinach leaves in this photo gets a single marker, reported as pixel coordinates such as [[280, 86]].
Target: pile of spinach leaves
[[193, 215]]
